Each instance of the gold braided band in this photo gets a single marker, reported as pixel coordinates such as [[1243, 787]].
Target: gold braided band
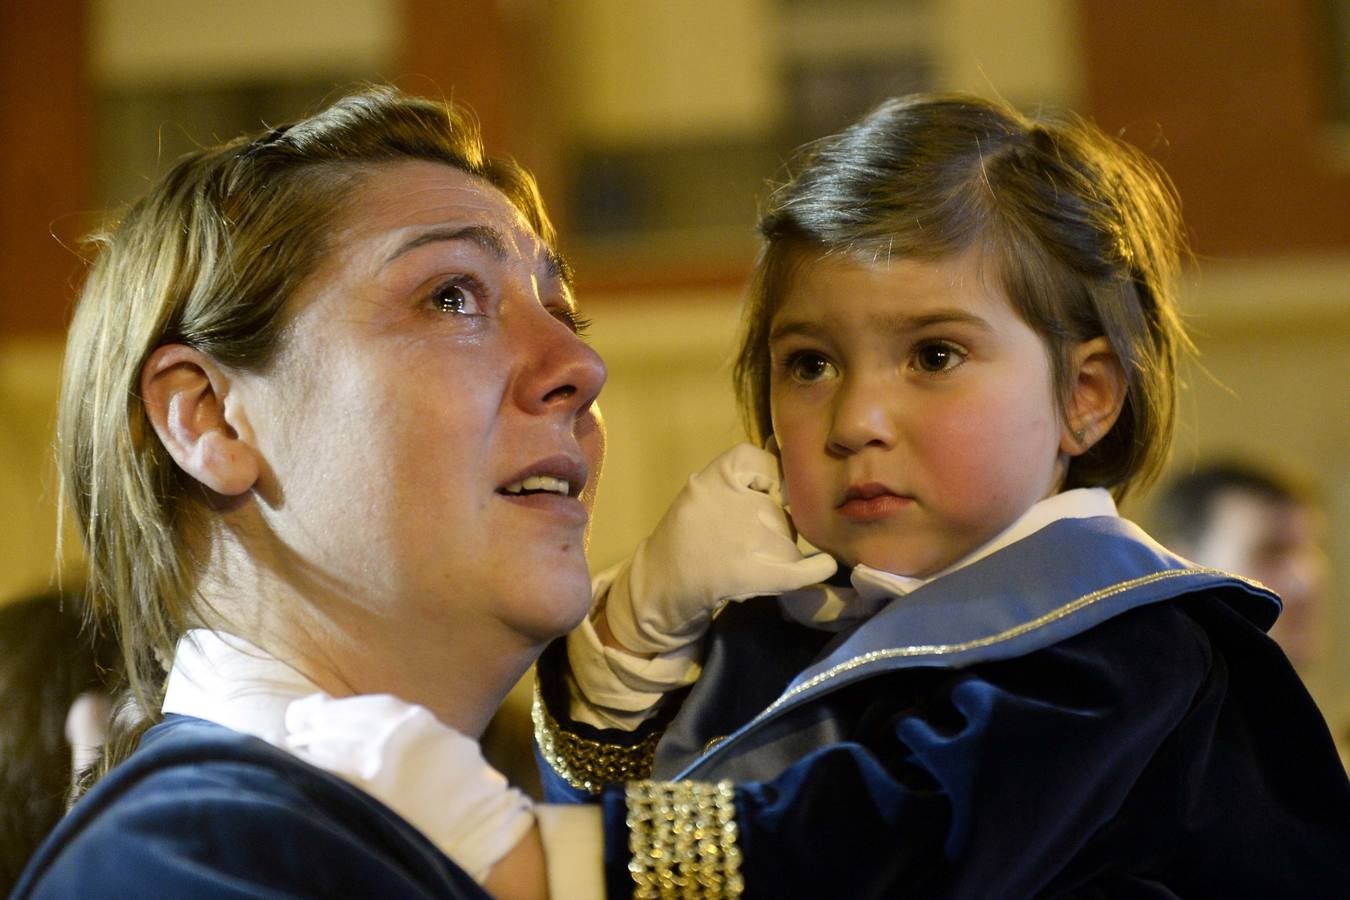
[[585, 764], [683, 839]]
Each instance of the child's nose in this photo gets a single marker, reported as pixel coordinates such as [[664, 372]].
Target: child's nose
[[860, 420]]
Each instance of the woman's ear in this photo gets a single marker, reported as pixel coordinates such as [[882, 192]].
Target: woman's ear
[[185, 395], [1097, 391]]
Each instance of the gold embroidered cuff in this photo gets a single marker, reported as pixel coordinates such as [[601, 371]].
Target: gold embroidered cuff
[[586, 764], [683, 840]]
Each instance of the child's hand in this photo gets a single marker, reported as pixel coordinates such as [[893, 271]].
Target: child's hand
[[726, 537]]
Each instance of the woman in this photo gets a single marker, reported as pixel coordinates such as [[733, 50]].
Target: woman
[[328, 428]]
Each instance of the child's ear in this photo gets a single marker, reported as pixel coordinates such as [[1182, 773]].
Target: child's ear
[[1096, 395], [187, 398]]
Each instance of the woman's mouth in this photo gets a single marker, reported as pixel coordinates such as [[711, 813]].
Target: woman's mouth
[[562, 475], [537, 484], [552, 486]]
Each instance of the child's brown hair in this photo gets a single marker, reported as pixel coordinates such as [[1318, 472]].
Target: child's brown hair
[[1083, 231]]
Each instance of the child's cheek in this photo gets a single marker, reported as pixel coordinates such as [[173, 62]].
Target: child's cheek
[[786, 489], [801, 506]]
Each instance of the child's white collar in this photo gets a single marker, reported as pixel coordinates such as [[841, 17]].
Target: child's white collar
[[1079, 503], [833, 608]]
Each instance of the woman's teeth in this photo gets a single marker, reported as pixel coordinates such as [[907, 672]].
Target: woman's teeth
[[540, 483]]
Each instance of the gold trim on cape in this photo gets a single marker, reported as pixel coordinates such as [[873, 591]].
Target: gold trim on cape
[[1054, 615]]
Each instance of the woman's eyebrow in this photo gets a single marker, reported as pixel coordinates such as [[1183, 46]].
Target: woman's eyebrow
[[485, 236], [490, 240], [557, 266]]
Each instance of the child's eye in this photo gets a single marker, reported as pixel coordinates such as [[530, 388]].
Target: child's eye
[[460, 295], [938, 356], [809, 367]]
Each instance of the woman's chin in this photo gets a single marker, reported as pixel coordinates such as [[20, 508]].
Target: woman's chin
[[554, 608]]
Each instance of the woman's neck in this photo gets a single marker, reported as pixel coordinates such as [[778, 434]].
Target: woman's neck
[[347, 648]]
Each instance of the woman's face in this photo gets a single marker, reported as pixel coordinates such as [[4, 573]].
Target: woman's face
[[429, 426]]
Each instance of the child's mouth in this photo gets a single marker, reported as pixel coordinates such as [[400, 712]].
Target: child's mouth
[[867, 502]]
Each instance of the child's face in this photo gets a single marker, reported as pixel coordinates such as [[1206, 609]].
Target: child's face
[[914, 410]]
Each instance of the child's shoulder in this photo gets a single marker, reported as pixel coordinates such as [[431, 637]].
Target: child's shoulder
[[1063, 580]]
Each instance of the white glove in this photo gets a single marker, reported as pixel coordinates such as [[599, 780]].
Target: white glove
[[430, 774], [726, 537]]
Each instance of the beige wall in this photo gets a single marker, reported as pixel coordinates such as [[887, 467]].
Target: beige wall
[[196, 41], [29, 374], [667, 405]]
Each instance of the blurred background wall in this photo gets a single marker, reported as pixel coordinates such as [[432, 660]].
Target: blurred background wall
[[653, 127]]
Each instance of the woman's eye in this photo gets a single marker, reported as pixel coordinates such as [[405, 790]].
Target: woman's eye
[[456, 297], [809, 368], [578, 323], [938, 357]]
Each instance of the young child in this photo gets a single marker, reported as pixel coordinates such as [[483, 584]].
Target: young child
[[962, 340]]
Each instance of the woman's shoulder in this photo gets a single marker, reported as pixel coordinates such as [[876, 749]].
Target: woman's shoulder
[[199, 808]]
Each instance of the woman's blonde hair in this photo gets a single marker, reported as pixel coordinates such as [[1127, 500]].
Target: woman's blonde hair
[[1083, 231], [209, 258]]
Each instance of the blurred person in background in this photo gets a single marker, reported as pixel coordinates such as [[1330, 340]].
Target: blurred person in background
[[1264, 522], [56, 677], [1261, 522]]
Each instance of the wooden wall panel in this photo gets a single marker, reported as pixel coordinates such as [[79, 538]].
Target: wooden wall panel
[[1230, 95], [44, 161], [495, 58]]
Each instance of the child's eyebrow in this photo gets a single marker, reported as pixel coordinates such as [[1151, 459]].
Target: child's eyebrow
[[793, 328], [936, 317], [888, 322]]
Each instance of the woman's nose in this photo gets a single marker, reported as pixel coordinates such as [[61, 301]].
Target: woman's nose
[[860, 418], [562, 371]]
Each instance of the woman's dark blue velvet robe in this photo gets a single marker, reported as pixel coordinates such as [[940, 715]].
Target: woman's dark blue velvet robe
[[202, 811], [1080, 714]]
